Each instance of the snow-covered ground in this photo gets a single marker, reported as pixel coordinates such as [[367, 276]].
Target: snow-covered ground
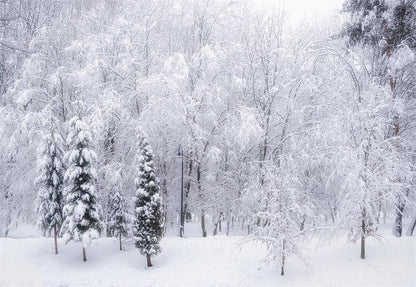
[[212, 261]]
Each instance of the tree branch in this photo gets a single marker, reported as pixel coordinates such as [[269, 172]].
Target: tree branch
[[13, 47]]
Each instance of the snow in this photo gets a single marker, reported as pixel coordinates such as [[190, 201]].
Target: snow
[[211, 261]]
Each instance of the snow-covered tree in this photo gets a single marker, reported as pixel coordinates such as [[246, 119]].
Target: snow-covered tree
[[281, 211], [388, 29], [118, 220], [50, 182], [380, 23], [148, 216], [81, 211]]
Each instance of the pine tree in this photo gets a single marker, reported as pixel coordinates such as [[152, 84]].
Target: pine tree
[[118, 218], [381, 25], [50, 182], [148, 219], [81, 211]]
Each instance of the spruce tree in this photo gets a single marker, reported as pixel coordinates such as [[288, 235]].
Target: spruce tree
[[118, 218], [148, 220], [81, 211], [50, 182]]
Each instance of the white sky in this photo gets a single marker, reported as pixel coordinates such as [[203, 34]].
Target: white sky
[[299, 10]]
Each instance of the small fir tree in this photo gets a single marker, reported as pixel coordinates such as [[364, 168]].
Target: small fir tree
[[81, 211], [50, 182], [118, 219], [148, 220]]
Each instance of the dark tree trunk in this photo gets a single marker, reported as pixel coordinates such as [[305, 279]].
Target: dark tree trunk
[[56, 240], [204, 231], [215, 229], [398, 224], [84, 255], [188, 215], [217, 225], [302, 223], [362, 239], [411, 227], [282, 267], [121, 248], [149, 263], [400, 206], [198, 180]]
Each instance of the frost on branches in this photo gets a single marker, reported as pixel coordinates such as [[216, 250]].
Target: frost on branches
[[388, 28], [148, 220], [277, 224], [50, 182], [81, 211]]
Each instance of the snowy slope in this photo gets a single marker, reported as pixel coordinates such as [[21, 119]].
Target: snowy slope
[[212, 261]]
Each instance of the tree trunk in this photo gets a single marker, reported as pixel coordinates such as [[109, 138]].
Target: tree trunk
[[56, 240], [362, 239], [84, 255], [411, 227], [282, 267], [219, 222], [188, 214], [400, 205], [204, 232], [398, 223], [302, 223], [121, 248], [217, 225], [149, 263], [215, 229]]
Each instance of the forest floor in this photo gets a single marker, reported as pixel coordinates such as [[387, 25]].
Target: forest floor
[[213, 261]]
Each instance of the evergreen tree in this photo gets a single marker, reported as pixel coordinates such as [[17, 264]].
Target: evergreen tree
[[81, 211], [381, 24], [50, 182], [148, 219], [118, 218]]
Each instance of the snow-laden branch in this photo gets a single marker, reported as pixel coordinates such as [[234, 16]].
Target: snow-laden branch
[[14, 47]]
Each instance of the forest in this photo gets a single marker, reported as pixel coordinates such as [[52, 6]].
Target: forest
[[137, 120]]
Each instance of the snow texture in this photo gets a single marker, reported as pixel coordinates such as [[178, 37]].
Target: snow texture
[[214, 261]]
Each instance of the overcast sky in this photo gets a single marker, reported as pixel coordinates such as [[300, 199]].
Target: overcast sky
[[299, 10]]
